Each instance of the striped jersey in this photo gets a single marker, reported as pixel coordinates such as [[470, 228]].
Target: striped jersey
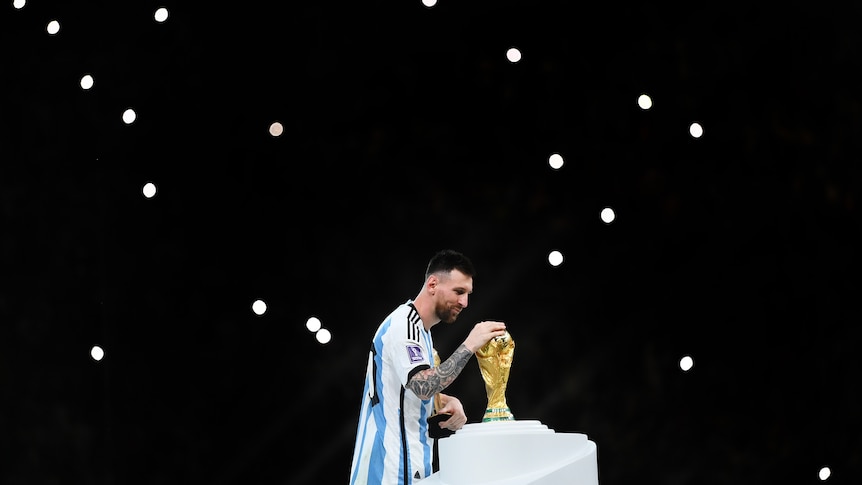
[[392, 443]]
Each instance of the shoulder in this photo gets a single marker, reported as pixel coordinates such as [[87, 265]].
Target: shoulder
[[403, 311], [404, 322]]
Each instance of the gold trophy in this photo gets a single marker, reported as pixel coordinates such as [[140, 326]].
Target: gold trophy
[[495, 361]]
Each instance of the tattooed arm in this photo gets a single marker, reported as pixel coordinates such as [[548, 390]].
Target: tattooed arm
[[429, 382]]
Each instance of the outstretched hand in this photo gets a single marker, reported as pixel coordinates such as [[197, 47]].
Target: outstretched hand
[[482, 333]]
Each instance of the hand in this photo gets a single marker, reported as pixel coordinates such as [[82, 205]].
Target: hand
[[482, 333], [452, 405]]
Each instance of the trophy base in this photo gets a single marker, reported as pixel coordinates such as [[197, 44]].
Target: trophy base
[[497, 414]]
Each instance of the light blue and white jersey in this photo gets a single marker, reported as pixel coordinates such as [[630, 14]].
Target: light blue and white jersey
[[392, 443]]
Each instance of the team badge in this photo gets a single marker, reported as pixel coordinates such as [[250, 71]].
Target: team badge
[[414, 352]]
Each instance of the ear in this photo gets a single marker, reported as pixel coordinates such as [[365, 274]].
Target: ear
[[431, 284]]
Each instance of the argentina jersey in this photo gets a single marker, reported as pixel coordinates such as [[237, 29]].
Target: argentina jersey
[[392, 444]]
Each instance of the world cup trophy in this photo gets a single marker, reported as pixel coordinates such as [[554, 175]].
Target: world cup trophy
[[495, 362]]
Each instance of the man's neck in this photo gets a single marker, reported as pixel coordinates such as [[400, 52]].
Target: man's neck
[[425, 307]]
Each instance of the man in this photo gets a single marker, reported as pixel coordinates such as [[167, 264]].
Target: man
[[393, 445]]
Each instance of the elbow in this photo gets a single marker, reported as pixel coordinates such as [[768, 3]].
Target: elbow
[[422, 392]]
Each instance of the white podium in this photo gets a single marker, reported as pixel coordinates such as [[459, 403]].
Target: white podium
[[515, 453]]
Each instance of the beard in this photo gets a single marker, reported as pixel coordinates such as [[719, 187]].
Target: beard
[[446, 313]]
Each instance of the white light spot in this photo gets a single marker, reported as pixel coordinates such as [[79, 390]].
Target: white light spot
[[824, 473], [312, 324], [608, 215], [513, 54], [97, 353], [259, 307], [696, 130], [161, 14], [686, 363], [555, 258], [555, 161], [645, 102], [276, 129], [149, 190], [53, 27], [429, 3], [87, 81], [19, 4], [323, 336], [129, 116]]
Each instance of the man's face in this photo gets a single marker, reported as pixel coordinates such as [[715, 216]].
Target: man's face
[[453, 292]]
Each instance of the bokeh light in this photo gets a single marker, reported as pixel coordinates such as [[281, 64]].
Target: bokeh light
[[686, 363], [259, 307], [276, 129], [323, 336], [608, 215], [129, 116], [645, 102], [161, 14], [87, 81], [149, 190], [97, 353], [313, 324], [513, 55]]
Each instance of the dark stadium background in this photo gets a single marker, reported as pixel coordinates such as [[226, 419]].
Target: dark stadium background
[[406, 130]]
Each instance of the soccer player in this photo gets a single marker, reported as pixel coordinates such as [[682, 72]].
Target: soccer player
[[393, 445]]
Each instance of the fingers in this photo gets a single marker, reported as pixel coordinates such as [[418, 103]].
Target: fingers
[[498, 329], [492, 325], [454, 423], [483, 332]]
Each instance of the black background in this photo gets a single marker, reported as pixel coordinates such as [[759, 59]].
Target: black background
[[406, 131]]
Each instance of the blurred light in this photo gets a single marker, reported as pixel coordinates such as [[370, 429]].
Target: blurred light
[[825, 472], [513, 54], [129, 116], [161, 14], [97, 353], [323, 336], [259, 307], [608, 215], [429, 3], [686, 363], [555, 161], [555, 258], [276, 129], [312, 324], [149, 190], [644, 101], [53, 27], [87, 81], [19, 4], [696, 130]]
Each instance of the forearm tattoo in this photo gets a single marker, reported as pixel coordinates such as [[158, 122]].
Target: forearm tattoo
[[429, 382]]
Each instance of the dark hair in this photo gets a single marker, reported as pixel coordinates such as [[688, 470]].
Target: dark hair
[[446, 260]]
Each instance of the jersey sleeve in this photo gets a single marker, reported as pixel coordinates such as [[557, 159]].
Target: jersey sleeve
[[408, 350]]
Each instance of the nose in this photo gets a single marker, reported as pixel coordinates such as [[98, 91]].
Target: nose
[[463, 301]]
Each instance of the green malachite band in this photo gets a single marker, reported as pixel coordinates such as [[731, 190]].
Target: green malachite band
[[497, 414]]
